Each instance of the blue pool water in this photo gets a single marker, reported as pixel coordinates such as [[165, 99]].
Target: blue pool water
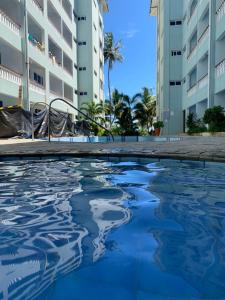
[[91, 229]]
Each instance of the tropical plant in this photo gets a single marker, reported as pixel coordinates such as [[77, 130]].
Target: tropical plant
[[195, 125], [94, 111], [158, 124], [111, 55], [125, 116], [215, 119], [145, 109]]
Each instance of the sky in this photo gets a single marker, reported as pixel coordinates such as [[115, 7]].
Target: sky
[[130, 22]]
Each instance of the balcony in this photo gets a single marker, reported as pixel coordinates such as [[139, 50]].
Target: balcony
[[8, 22], [55, 86], [68, 8], [220, 68], [55, 52], [68, 93], [10, 75], [67, 64], [39, 5], [192, 53], [204, 35], [67, 35], [203, 81], [37, 78], [192, 91], [35, 34], [220, 11], [54, 17]]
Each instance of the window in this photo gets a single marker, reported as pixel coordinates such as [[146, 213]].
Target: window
[[82, 18], [38, 79], [176, 53], [95, 73], [175, 23], [82, 68], [174, 83], [82, 43], [95, 50]]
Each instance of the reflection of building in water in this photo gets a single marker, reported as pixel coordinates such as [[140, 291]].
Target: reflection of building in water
[[54, 217], [195, 200]]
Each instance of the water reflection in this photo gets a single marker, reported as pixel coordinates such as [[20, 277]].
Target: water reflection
[[195, 199], [54, 218]]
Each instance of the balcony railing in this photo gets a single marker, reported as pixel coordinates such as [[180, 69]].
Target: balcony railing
[[220, 11], [220, 68], [10, 75], [203, 81], [193, 52], [9, 23], [192, 90], [38, 6], [204, 35], [37, 88]]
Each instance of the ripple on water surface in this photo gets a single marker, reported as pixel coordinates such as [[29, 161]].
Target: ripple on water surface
[[83, 229]]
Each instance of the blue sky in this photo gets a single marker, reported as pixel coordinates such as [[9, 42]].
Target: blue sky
[[130, 22]]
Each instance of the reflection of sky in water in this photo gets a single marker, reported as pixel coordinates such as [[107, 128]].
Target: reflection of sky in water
[[57, 239]]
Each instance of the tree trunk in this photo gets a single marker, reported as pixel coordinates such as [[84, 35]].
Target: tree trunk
[[110, 96]]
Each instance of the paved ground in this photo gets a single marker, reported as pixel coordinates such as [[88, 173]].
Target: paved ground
[[194, 148]]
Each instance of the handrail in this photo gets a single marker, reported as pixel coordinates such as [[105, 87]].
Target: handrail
[[86, 116]]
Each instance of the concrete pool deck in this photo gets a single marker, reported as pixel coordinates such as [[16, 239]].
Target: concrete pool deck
[[189, 148]]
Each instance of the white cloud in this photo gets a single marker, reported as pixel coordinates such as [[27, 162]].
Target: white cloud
[[129, 34]]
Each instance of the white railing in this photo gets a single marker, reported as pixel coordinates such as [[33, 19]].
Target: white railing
[[221, 11], [203, 81], [9, 23], [192, 91], [204, 35], [220, 68], [10, 75], [37, 88], [37, 5]]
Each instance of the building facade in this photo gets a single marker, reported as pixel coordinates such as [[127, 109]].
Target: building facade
[[48, 50], [190, 59]]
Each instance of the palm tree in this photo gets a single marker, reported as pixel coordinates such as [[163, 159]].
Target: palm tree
[[116, 107], [93, 110], [111, 55], [145, 109], [125, 116]]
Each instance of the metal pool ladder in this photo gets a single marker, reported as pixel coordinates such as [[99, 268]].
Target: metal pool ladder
[[76, 109]]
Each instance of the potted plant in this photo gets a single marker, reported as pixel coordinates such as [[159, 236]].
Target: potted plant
[[158, 125]]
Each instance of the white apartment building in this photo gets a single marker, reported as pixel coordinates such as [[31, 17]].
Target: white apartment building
[[190, 59], [49, 49]]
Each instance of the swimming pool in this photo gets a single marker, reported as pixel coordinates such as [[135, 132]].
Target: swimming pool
[[118, 229]]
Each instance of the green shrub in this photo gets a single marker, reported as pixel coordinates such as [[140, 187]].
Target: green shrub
[[195, 125], [158, 124], [215, 119]]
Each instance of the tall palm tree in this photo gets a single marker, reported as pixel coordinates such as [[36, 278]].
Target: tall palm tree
[[111, 55], [145, 109]]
